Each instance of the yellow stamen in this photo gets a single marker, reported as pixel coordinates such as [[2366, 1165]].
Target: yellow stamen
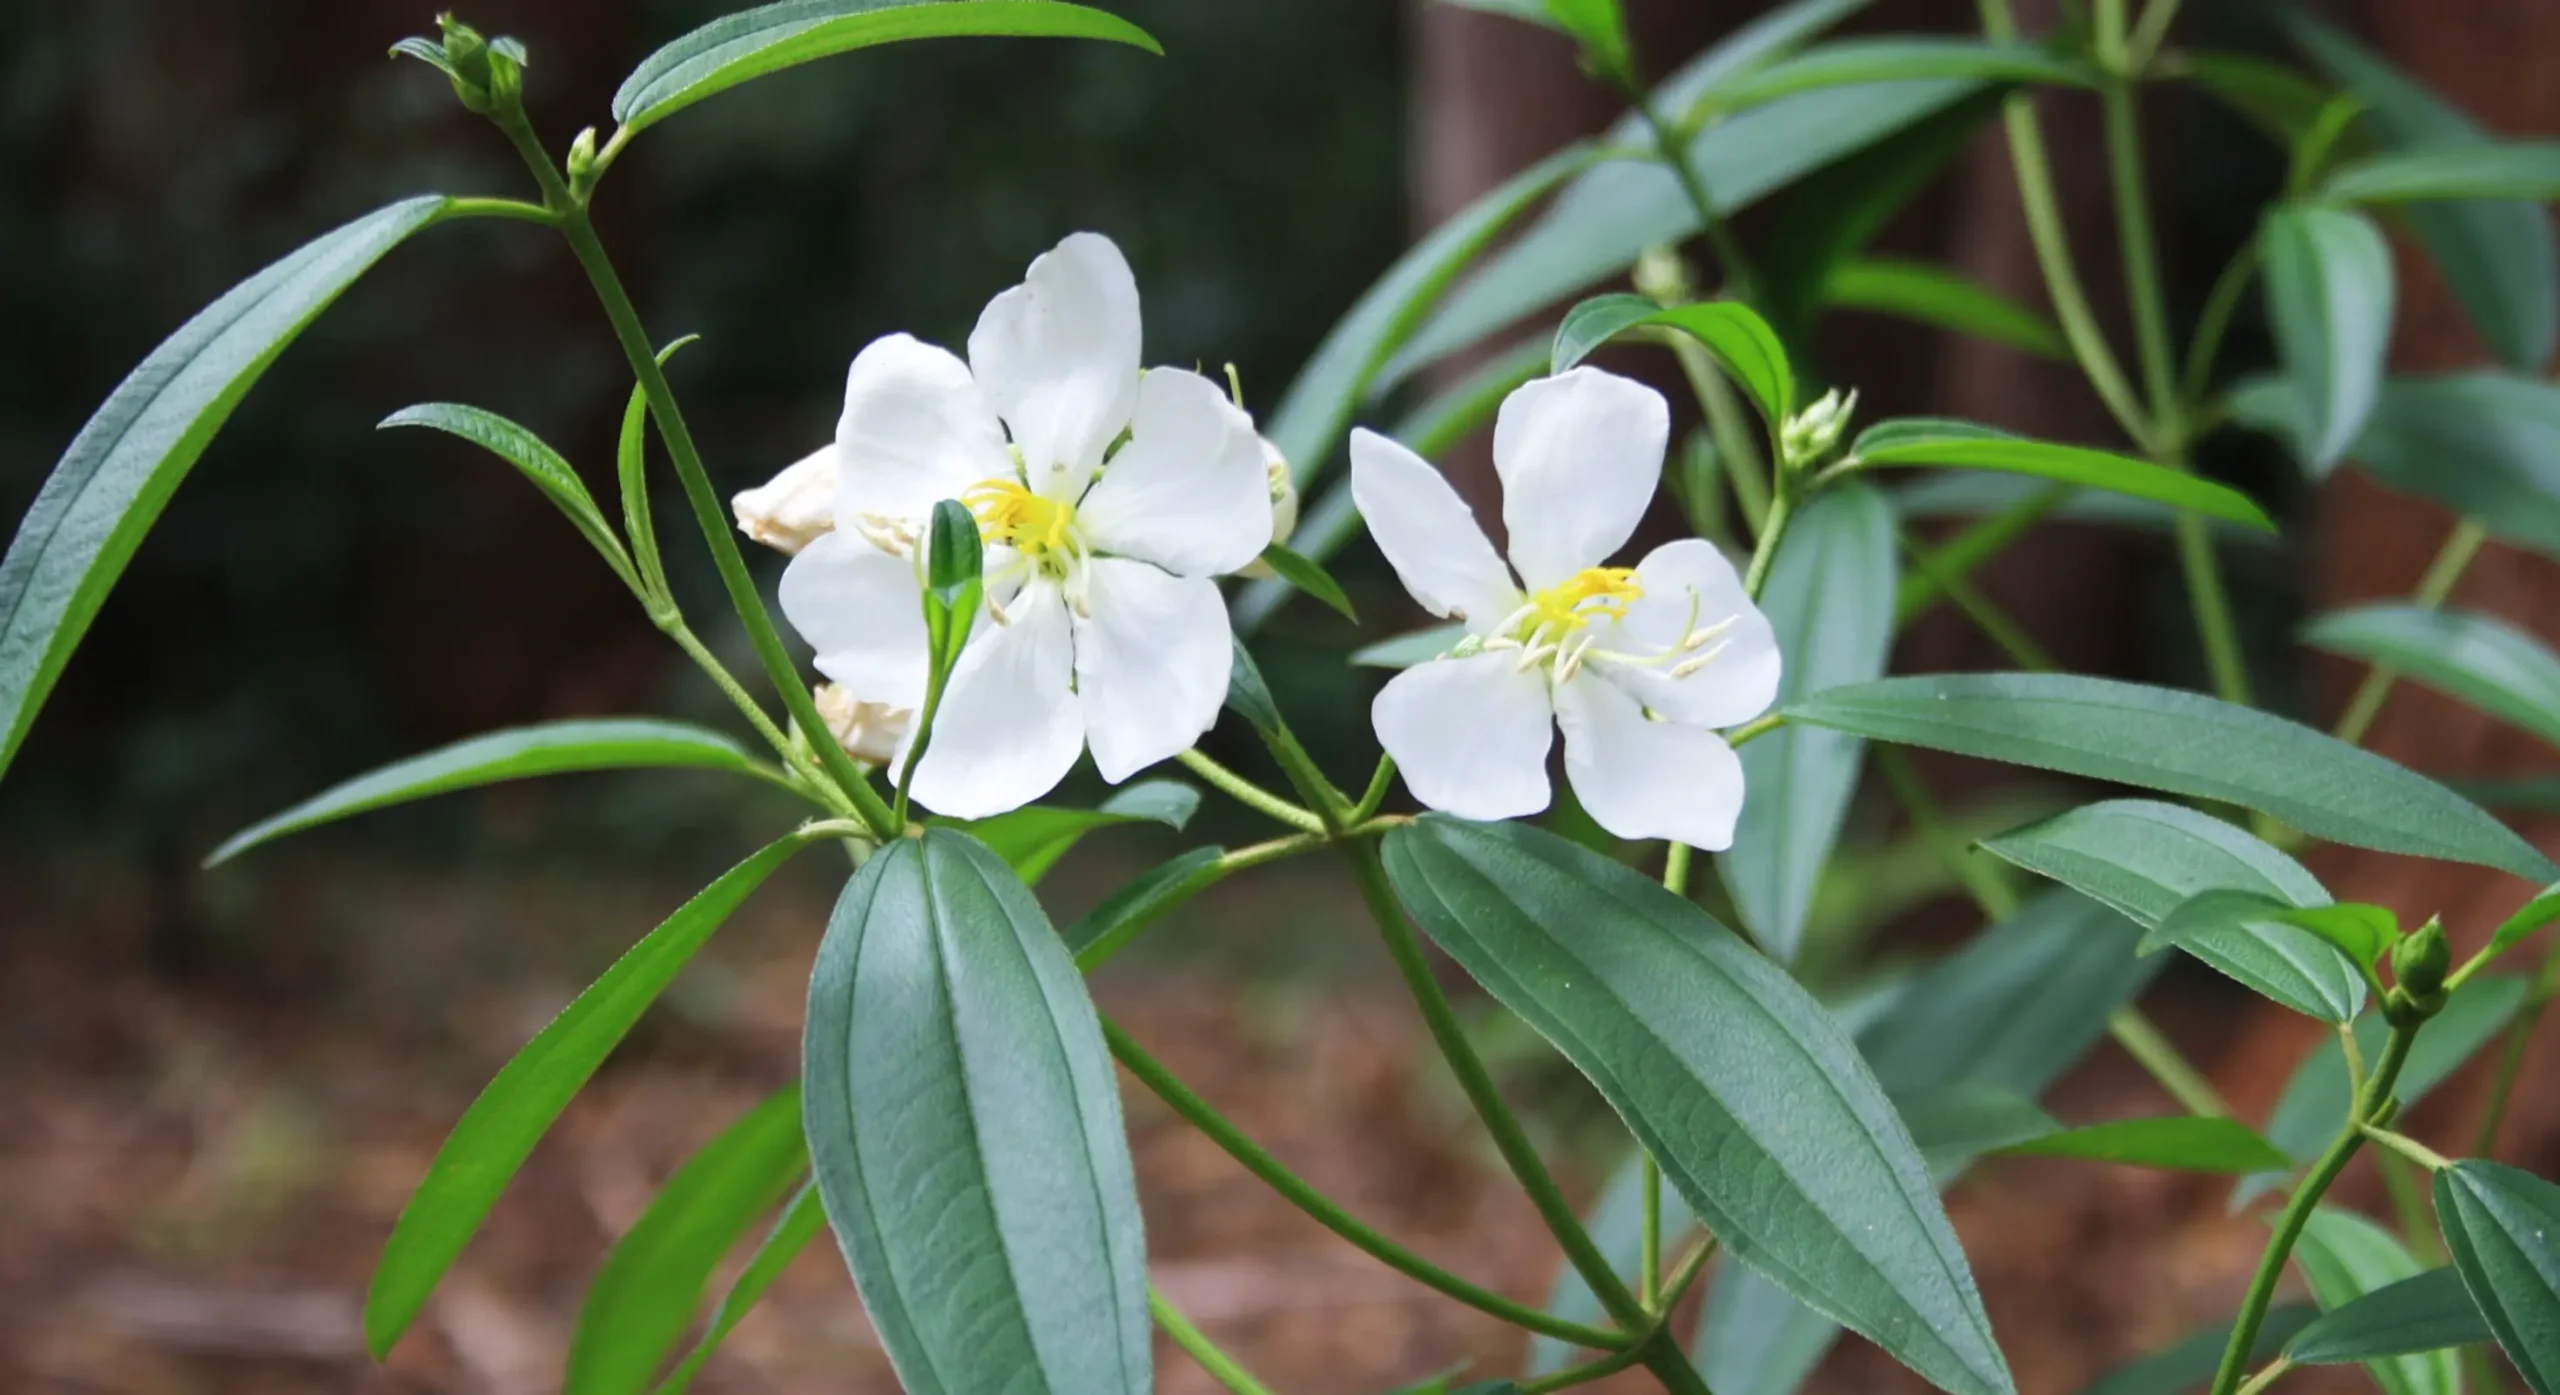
[[1573, 602], [1009, 513]]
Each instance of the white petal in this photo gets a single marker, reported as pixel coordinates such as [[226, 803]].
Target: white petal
[[1646, 779], [1471, 735], [863, 611], [1151, 664], [1189, 492], [1739, 678], [1579, 455], [1429, 534], [914, 431], [1008, 729], [794, 508], [1058, 357]]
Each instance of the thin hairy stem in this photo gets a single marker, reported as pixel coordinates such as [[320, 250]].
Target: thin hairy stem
[[1249, 794], [1198, 1347]]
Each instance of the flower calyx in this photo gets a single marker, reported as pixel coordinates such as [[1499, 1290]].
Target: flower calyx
[[1810, 434], [487, 74]]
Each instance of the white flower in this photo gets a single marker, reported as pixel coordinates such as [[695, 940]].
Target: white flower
[[1102, 625], [870, 732], [794, 508], [1640, 665], [1284, 505]]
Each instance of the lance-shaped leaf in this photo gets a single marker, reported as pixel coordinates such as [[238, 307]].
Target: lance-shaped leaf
[[1847, 62], [1830, 598], [2430, 1312], [1957, 1123], [1931, 441], [498, 1132], [2310, 974], [1309, 575], [2346, 1257], [2181, 743], [1934, 295], [2501, 430], [2517, 170], [536, 460], [2498, 1222], [2184, 1143], [1733, 333], [118, 473], [2480, 659], [964, 1125], [547, 748], [2147, 859], [791, 1233], [644, 1297], [751, 43], [2329, 297], [1032, 839], [1126, 913], [2529, 917], [1746, 1091]]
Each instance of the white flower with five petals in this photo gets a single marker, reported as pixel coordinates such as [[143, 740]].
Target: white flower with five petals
[[1107, 501], [1639, 665]]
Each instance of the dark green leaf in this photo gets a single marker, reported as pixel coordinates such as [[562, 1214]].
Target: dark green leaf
[[1601, 30], [1743, 1088], [964, 1125], [2184, 1142], [1406, 650], [2345, 1257], [799, 1223], [752, 43], [1845, 62], [529, 454], [1934, 295], [2522, 170], [1616, 1225], [1032, 839], [2301, 970], [118, 473], [1924, 441], [2364, 933], [1958, 1122], [2486, 445], [1310, 577], [2147, 859], [2531, 916], [2499, 256], [2182, 743], [550, 748], [2498, 1223], [1249, 697], [1975, 494], [2480, 659], [2427, 1313], [2190, 1364], [644, 1297], [1734, 335], [1137, 904], [1829, 596], [498, 1132], [2329, 296]]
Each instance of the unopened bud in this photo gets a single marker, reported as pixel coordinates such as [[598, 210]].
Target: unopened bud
[[582, 162], [1816, 429], [1661, 276], [2419, 961], [868, 731], [794, 508]]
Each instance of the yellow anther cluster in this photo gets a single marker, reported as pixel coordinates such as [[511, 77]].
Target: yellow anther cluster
[[1571, 603], [1009, 513]]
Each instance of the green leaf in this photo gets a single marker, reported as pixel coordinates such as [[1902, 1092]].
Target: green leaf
[[2345, 1257], [644, 1297], [1310, 576], [1316, 410], [2502, 431], [964, 1125], [2478, 659], [2520, 170], [2531, 916], [751, 43], [1847, 62], [1138, 903], [1959, 1122], [2147, 859], [799, 1223], [1616, 1226], [2184, 1143], [2427, 1313], [1741, 343], [2364, 933], [1249, 697], [1600, 223], [2303, 971], [2329, 298], [2306, 1116], [1930, 441], [2278, 100], [539, 463], [1601, 30], [1753, 1336], [954, 586], [118, 473], [1405, 650], [631, 472], [2190, 1364], [1934, 295], [2181, 743], [2498, 255], [1750, 1096], [1974, 494], [1829, 596], [1031, 839], [547, 748], [498, 1132], [2498, 1223]]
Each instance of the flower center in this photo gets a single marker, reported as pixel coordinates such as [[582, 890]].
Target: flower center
[[1549, 628], [1042, 530], [1574, 602]]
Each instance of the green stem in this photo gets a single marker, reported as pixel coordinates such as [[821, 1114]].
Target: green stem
[[1649, 1266], [580, 234], [2212, 607], [1379, 782], [1251, 795], [1765, 552], [2409, 1208], [517, 209], [1756, 727], [1197, 1344], [1295, 1190], [2267, 1377], [2297, 1212], [2214, 322], [1666, 143], [2148, 35], [2408, 1148], [2141, 260], [2451, 560], [1652, 1340], [817, 785]]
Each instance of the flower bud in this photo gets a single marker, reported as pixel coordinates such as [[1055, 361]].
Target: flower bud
[[488, 77], [868, 731], [1661, 276], [1284, 504], [2420, 960], [582, 162], [1817, 428], [794, 508]]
